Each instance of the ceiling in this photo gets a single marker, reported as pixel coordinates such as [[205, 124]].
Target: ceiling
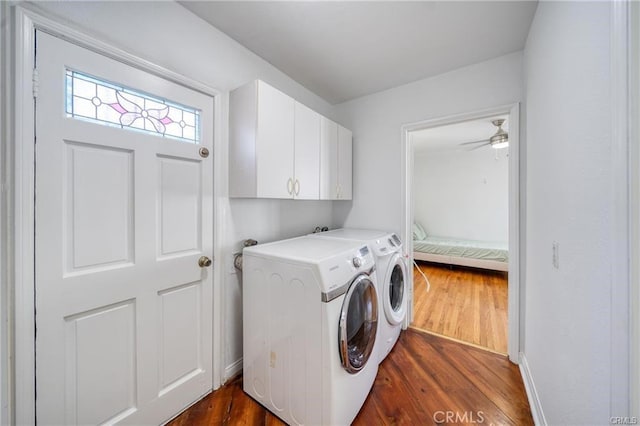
[[449, 137], [344, 50]]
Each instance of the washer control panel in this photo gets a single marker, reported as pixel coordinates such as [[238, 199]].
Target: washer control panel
[[362, 258]]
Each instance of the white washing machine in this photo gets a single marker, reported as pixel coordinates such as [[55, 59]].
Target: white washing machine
[[391, 270], [310, 319]]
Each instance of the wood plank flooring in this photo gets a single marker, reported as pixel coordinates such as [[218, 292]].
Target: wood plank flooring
[[425, 380], [464, 303]]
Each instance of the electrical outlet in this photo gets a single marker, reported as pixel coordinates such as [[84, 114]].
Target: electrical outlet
[[555, 255]]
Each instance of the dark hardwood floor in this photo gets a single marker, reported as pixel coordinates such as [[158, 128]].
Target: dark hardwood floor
[[425, 380], [466, 304]]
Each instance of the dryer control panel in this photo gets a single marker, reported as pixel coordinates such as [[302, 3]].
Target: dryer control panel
[[338, 272]]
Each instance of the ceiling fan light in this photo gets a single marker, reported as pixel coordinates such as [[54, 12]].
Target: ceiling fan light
[[501, 138]]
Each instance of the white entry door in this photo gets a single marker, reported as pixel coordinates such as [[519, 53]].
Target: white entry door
[[123, 217]]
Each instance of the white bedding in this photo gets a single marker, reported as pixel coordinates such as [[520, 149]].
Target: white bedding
[[481, 250]]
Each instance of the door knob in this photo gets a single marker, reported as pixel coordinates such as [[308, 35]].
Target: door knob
[[204, 261]]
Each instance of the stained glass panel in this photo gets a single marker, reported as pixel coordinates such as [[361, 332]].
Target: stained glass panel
[[98, 101]]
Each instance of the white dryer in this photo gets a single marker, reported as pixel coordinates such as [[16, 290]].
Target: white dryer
[[310, 312], [391, 270]]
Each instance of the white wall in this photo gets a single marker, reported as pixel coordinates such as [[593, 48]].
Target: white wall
[[569, 200], [376, 121], [169, 35], [462, 194]]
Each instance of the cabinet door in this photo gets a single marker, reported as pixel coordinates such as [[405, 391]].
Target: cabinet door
[[307, 153], [274, 145], [345, 165], [328, 159]]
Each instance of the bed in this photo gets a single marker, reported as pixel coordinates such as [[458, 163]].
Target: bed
[[455, 251]]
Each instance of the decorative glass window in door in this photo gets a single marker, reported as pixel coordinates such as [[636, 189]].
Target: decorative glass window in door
[[99, 101]]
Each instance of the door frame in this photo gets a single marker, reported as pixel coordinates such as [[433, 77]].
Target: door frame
[[626, 89], [27, 20], [516, 258], [5, 178]]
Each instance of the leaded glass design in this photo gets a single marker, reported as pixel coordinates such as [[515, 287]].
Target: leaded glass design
[[98, 101]]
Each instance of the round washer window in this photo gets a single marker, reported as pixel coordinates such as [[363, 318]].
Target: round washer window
[[396, 288], [358, 324]]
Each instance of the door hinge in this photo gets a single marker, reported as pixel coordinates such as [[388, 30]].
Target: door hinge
[[35, 80]]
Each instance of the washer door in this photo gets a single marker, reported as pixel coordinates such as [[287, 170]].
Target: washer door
[[395, 290], [358, 324]]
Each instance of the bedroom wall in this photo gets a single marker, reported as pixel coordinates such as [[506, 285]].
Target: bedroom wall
[[462, 194], [376, 121], [570, 177], [169, 35]]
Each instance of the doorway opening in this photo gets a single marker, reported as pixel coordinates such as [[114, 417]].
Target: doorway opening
[[462, 229]]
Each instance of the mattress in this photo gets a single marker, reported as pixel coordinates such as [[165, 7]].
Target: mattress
[[498, 252]]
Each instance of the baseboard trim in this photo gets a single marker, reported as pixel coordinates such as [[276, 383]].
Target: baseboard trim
[[232, 370], [532, 393]]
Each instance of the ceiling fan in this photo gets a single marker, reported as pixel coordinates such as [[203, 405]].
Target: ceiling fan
[[499, 140]]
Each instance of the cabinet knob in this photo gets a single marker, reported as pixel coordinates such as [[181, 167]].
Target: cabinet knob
[[296, 187], [290, 186]]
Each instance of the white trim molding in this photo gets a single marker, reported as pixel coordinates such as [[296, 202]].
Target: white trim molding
[[233, 369], [532, 393], [620, 303], [634, 200], [6, 412], [220, 208], [23, 212], [515, 212], [27, 20]]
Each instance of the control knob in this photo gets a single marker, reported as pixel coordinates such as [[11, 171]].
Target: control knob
[[357, 262]]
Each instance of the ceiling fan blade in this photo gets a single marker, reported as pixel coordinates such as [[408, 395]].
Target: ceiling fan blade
[[469, 143], [479, 146]]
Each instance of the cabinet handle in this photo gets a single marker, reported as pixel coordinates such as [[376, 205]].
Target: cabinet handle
[[296, 187], [338, 187], [289, 186]]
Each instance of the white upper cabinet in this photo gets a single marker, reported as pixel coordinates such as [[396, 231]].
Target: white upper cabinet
[[280, 148], [306, 184], [328, 159], [345, 163], [274, 143], [262, 142], [335, 161]]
